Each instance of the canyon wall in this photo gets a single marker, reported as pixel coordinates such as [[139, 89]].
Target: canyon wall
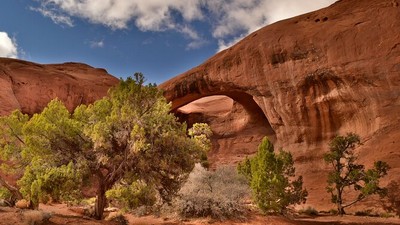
[[30, 86]]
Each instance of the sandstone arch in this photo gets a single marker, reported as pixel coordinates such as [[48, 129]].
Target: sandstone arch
[[238, 125], [328, 72], [244, 99], [311, 78]]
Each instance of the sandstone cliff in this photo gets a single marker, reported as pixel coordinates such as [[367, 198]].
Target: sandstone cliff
[[328, 72], [30, 86]]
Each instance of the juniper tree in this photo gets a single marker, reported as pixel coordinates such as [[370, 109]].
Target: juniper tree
[[271, 176], [129, 134], [347, 173]]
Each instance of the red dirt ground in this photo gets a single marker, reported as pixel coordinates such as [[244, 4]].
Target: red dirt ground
[[63, 215]]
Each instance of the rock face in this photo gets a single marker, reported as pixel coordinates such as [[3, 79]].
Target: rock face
[[29, 86], [328, 72]]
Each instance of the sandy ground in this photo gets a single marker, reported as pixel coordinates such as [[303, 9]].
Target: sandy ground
[[63, 215]]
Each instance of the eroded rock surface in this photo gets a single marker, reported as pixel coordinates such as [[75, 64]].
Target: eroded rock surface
[[328, 72], [30, 86]]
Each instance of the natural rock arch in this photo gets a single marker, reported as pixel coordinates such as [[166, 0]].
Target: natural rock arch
[[251, 132], [328, 72], [311, 79]]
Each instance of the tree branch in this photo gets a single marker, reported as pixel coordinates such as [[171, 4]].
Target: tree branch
[[15, 135], [14, 191], [354, 202]]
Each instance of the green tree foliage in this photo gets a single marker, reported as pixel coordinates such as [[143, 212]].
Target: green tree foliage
[[11, 144], [52, 140], [201, 134], [128, 135], [271, 177], [132, 133], [133, 195], [43, 182], [347, 173]]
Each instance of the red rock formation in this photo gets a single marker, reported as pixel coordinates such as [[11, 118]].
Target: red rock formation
[[328, 72], [30, 86]]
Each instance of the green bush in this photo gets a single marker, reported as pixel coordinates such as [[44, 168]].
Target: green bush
[[132, 196], [217, 194], [6, 197], [271, 176], [5, 193]]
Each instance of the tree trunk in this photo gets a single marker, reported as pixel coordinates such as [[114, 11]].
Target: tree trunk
[[101, 198], [33, 205], [339, 202], [340, 209]]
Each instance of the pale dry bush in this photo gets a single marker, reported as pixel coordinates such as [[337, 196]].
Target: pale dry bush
[[217, 194], [117, 217], [36, 217]]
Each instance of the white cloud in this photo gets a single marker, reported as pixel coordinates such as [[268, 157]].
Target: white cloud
[[56, 17], [240, 19], [97, 44], [154, 15], [196, 41], [230, 20], [8, 46]]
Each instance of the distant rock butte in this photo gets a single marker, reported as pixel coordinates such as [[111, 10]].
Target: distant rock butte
[[30, 86], [301, 81]]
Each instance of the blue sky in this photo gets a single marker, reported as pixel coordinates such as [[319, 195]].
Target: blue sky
[[160, 38]]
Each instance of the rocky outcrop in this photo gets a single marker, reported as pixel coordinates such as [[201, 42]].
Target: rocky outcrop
[[328, 72], [30, 86]]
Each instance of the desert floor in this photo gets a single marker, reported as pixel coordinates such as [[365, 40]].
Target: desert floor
[[63, 215]]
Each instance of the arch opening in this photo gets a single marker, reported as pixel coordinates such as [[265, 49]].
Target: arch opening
[[237, 122]]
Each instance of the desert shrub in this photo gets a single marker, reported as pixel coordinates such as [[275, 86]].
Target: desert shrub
[[117, 217], [201, 134], [218, 194], [36, 217], [367, 212], [145, 210], [386, 215], [333, 211], [132, 196], [272, 179], [310, 211]]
